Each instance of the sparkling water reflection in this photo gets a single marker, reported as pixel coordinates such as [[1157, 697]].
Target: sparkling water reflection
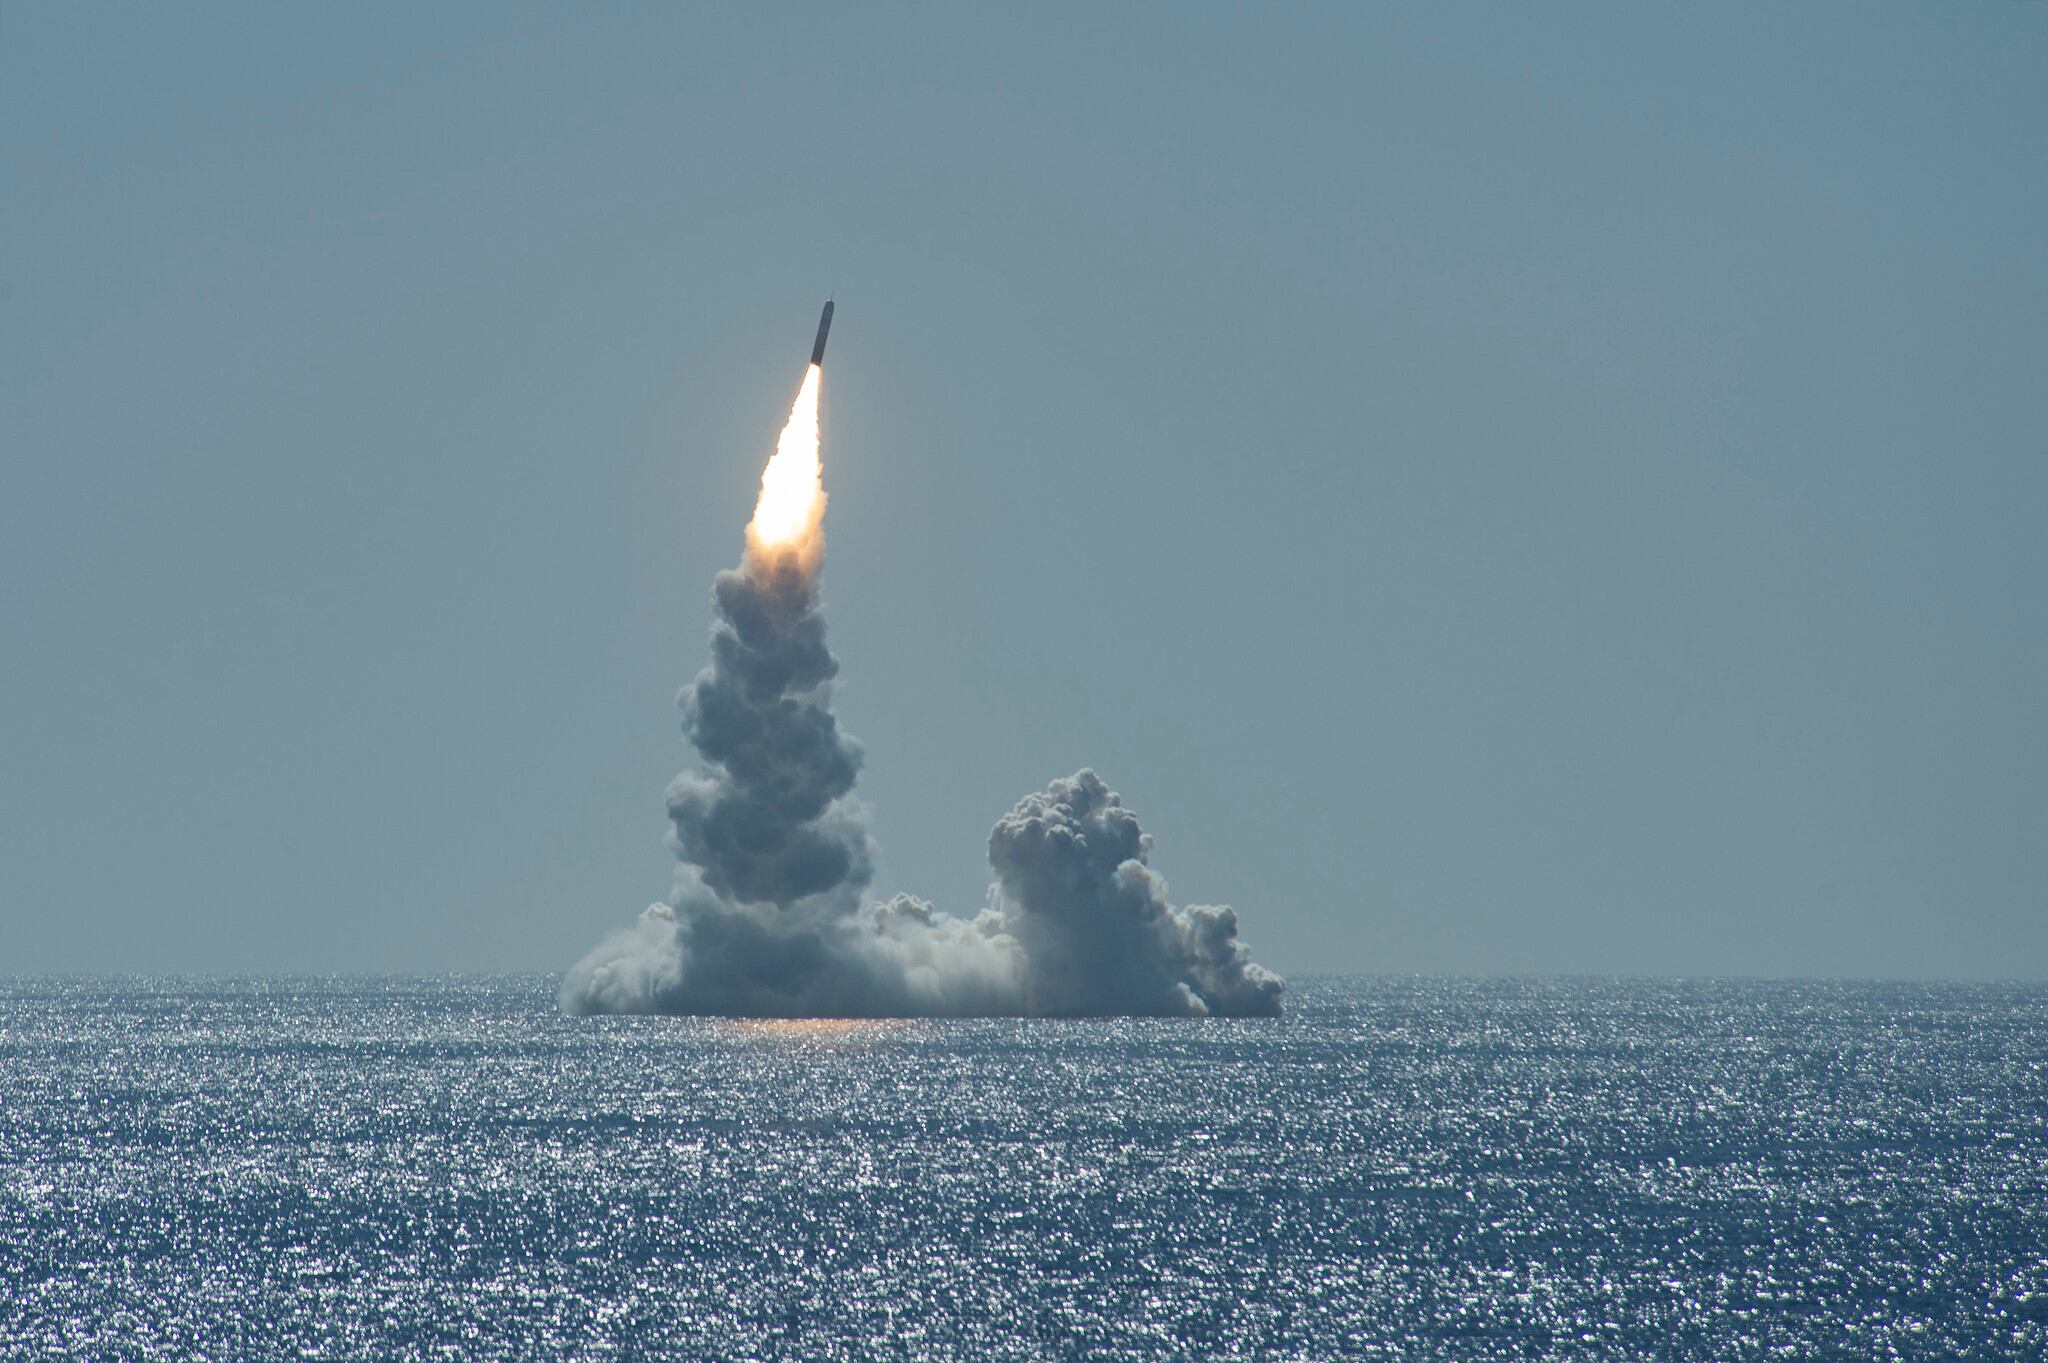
[[399, 1169]]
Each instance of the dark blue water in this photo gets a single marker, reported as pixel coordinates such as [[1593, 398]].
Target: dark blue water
[[397, 1169]]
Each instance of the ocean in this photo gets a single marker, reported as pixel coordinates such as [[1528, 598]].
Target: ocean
[[398, 1168]]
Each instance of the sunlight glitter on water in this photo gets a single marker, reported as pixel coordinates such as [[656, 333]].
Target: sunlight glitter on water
[[392, 1169]]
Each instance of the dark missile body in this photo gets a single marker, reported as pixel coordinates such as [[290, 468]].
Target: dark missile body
[[824, 325]]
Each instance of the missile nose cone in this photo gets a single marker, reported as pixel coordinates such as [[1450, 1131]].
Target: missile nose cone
[[824, 326]]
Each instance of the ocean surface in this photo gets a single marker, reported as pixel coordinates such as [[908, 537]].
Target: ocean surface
[[1401, 1169]]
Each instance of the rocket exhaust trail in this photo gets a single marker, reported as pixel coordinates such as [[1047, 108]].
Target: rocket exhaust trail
[[789, 517], [768, 915]]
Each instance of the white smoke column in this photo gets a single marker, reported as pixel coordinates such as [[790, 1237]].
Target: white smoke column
[[770, 823], [767, 919]]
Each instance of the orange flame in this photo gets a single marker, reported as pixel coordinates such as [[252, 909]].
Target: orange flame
[[791, 511]]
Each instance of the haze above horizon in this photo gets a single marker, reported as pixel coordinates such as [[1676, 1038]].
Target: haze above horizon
[[1496, 491]]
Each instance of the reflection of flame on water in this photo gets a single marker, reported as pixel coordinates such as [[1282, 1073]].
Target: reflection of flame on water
[[800, 1031]]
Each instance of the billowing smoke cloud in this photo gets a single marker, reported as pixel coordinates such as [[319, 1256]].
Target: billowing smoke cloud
[[1073, 890], [767, 917], [771, 824]]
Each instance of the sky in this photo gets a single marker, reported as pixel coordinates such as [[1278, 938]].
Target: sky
[[1497, 489]]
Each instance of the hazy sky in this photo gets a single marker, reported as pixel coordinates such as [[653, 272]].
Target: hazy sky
[[1522, 489]]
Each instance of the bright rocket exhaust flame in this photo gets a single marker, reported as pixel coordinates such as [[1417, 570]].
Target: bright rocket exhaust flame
[[792, 504]]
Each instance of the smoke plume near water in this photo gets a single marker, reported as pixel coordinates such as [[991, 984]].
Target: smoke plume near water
[[768, 916]]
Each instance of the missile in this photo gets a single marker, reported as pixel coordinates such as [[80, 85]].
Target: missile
[[824, 325]]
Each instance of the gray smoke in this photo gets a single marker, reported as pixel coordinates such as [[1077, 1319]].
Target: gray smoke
[[771, 824], [767, 917], [1074, 890]]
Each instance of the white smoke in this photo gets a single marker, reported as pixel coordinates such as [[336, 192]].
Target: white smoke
[[767, 917]]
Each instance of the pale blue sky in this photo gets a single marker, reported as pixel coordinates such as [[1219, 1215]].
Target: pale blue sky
[[1497, 489]]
